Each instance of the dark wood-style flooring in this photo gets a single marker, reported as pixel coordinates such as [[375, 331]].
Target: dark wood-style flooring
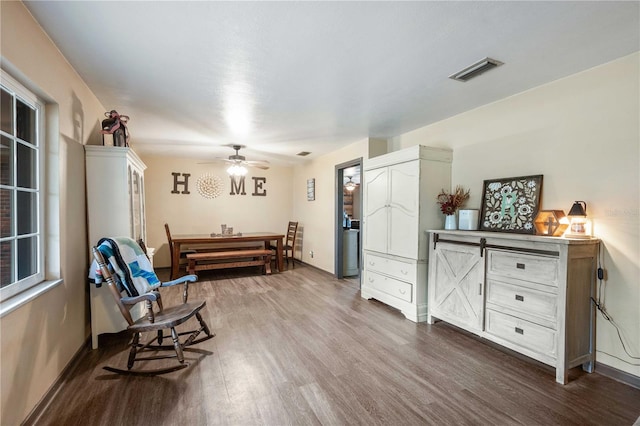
[[302, 348]]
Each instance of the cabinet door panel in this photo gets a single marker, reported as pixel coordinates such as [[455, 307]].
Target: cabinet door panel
[[403, 233], [456, 292], [375, 207], [404, 209], [405, 182]]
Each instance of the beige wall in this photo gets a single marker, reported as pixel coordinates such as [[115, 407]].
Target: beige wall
[[582, 134], [40, 338], [317, 218], [195, 214]]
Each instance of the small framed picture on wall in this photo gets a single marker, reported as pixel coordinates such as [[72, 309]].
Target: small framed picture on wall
[[311, 189]]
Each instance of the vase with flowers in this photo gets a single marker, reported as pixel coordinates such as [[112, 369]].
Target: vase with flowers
[[450, 203]]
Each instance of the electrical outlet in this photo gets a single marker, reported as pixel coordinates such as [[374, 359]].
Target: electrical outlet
[[311, 254]]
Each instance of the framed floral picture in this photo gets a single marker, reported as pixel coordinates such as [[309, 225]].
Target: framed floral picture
[[511, 204]]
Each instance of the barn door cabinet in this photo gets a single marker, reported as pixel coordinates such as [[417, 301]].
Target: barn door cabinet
[[115, 207], [531, 294], [399, 204]]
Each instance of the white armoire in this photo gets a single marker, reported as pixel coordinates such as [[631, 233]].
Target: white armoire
[[115, 207], [399, 204]]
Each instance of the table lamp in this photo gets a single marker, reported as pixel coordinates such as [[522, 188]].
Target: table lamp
[[579, 226]]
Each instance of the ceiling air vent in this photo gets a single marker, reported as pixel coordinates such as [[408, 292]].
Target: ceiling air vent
[[476, 69], [303, 153]]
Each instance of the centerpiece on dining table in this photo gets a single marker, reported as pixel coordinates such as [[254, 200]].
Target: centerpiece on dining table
[[227, 231]]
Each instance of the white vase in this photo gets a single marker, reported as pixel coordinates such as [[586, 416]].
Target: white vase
[[450, 222]]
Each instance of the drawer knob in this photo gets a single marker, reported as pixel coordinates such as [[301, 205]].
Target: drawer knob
[[402, 291], [519, 298], [519, 330], [520, 265], [403, 272]]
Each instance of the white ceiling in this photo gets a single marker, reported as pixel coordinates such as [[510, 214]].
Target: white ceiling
[[285, 77]]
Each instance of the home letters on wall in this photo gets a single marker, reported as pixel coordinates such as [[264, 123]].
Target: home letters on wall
[[177, 181], [237, 185]]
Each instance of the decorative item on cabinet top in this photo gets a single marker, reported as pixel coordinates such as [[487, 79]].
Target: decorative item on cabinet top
[[580, 226], [114, 129], [468, 220], [450, 203], [511, 204], [551, 223]]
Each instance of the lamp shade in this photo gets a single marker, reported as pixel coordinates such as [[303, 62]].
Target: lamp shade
[[579, 208]]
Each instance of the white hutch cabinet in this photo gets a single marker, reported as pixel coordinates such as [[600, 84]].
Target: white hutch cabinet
[[531, 294], [115, 204], [400, 190]]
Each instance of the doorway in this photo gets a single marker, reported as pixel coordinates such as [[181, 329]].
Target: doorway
[[347, 219]]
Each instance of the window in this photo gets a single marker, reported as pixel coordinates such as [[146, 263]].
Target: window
[[21, 189]]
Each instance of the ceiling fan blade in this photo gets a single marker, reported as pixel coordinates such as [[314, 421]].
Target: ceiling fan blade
[[217, 161], [258, 166]]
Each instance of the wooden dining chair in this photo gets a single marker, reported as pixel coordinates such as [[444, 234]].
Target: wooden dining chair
[[123, 265], [183, 252], [288, 246]]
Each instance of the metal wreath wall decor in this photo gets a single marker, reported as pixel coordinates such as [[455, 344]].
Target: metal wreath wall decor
[[209, 185]]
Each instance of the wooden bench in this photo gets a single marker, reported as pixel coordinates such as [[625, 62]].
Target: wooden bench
[[213, 249], [229, 259]]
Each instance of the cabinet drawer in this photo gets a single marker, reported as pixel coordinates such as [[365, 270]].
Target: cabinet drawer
[[523, 299], [405, 271], [396, 288], [528, 267], [523, 333]]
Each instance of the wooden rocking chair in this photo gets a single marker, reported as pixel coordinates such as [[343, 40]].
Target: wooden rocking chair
[[114, 270]]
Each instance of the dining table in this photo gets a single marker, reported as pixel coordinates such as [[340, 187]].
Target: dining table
[[190, 240]]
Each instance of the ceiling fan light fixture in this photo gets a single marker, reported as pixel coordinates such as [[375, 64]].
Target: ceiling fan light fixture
[[476, 69], [237, 170], [351, 185]]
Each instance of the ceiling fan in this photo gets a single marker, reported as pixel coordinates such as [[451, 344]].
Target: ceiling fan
[[238, 163]]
